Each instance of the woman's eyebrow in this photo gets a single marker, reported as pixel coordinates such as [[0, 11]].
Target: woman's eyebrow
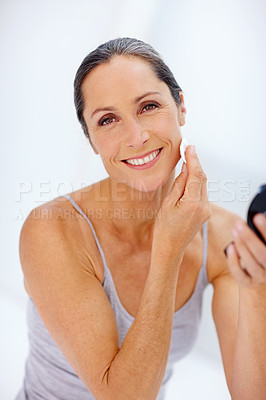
[[102, 109], [137, 99], [110, 108]]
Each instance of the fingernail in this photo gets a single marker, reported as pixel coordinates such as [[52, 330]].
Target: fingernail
[[184, 167], [226, 248], [259, 218]]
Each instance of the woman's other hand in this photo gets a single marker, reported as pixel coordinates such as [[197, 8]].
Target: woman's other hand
[[246, 256]]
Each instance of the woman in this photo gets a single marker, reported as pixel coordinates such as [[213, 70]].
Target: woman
[[116, 297]]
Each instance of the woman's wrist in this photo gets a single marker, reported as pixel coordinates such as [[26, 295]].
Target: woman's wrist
[[165, 259]]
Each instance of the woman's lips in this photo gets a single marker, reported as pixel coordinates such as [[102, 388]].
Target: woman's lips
[[148, 164]]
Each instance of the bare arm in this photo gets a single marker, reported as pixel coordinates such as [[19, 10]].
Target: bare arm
[[239, 310], [78, 315], [140, 364], [249, 368]]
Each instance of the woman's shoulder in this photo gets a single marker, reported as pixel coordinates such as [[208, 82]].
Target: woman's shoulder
[[55, 216], [220, 227], [56, 228], [59, 214], [221, 220]]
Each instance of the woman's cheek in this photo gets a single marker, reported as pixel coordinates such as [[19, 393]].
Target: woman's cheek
[[167, 125], [102, 143], [108, 149]]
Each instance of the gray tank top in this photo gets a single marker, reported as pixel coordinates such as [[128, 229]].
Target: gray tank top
[[49, 376]]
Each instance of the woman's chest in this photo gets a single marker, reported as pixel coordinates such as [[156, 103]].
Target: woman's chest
[[129, 273]]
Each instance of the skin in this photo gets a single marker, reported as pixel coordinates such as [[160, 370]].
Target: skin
[[161, 255], [132, 131]]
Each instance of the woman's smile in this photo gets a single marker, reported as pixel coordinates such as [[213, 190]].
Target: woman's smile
[[145, 161], [134, 120]]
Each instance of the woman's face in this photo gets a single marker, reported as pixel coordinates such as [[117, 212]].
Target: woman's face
[[130, 115]]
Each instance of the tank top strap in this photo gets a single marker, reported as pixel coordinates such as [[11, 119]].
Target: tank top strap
[[77, 207], [205, 252]]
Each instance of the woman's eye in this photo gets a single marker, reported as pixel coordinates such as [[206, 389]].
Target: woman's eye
[[106, 121], [150, 106]]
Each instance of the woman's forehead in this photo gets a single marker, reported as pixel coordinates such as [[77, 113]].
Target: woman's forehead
[[123, 79], [123, 76], [121, 65]]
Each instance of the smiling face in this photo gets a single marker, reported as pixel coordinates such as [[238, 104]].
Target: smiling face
[[130, 115]]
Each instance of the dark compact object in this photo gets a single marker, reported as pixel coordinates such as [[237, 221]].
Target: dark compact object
[[258, 205]]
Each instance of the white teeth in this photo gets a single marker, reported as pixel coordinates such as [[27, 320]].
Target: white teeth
[[145, 160]]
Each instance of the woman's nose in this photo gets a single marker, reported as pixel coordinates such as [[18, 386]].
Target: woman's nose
[[136, 135]]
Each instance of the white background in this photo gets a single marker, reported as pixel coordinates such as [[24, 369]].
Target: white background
[[216, 50]]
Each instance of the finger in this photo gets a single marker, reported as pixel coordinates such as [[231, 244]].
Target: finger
[[237, 272], [196, 176], [253, 243], [248, 262], [204, 188], [259, 221], [178, 187], [198, 189]]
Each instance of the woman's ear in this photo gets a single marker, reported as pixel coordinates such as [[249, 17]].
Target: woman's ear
[[92, 144], [182, 111], [94, 149]]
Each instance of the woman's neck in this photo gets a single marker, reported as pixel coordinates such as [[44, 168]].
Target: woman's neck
[[130, 212]]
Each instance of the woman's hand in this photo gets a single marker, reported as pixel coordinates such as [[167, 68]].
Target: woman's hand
[[246, 256], [183, 211]]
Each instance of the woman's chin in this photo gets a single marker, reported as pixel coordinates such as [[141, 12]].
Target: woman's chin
[[151, 184], [146, 184]]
